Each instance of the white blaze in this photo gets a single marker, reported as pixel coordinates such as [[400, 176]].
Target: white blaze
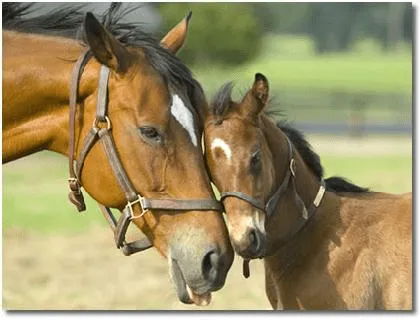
[[219, 143], [184, 117]]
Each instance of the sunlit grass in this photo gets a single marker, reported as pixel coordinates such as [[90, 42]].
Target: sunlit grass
[[385, 173], [35, 188], [289, 62]]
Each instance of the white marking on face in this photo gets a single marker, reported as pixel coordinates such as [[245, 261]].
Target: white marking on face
[[237, 230], [244, 224], [184, 117], [219, 143]]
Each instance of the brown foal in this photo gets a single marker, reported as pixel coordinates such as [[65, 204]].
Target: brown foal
[[326, 244], [146, 130]]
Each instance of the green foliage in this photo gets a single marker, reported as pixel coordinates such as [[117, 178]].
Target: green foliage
[[223, 33], [336, 26], [282, 17]]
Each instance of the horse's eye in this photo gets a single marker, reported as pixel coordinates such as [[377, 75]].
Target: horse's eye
[[255, 162], [151, 134]]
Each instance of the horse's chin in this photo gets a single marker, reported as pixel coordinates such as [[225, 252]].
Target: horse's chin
[[184, 292]]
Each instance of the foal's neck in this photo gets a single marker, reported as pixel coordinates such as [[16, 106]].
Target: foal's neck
[[36, 80], [287, 215]]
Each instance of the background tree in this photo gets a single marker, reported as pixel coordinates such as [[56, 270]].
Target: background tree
[[225, 33]]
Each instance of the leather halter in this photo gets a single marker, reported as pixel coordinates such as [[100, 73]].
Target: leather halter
[[101, 131], [270, 207]]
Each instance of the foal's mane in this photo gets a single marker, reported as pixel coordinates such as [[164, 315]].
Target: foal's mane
[[68, 22], [220, 106]]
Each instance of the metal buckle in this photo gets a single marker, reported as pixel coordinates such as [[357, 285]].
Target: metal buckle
[[293, 167], [74, 182], [139, 200], [96, 122]]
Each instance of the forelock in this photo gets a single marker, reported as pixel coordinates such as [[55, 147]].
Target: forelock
[[220, 104]]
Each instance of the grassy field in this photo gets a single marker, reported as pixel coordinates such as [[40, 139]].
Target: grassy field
[[289, 62], [55, 258]]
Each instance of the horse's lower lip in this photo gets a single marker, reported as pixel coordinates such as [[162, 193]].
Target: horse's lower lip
[[184, 292], [180, 285]]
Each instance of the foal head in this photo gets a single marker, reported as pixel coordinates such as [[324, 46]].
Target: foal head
[[153, 105], [239, 159]]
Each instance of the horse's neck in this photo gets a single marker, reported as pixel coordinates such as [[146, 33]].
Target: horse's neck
[[307, 184], [289, 258], [36, 79]]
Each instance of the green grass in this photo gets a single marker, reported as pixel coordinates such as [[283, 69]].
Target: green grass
[[289, 63], [380, 173], [35, 188], [35, 196]]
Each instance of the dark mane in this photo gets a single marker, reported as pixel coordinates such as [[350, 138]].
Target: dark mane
[[313, 161], [220, 106], [68, 22]]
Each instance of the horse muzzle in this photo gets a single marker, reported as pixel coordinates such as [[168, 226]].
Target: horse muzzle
[[252, 245], [198, 270]]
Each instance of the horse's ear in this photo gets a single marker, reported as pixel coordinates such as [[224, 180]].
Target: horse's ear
[[175, 38], [104, 46], [258, 95], [260, 89]]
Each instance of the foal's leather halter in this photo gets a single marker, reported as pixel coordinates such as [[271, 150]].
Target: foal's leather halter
[[270, 207], [101, 130]]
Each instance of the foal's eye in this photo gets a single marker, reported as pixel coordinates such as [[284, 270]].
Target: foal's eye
[[151, 134], [255, 162]]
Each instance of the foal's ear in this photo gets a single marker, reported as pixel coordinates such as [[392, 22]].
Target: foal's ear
[[104, 46], [260, 89], [258, 95], [175, 38]]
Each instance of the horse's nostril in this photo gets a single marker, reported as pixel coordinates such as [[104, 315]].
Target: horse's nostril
[[210, 265]]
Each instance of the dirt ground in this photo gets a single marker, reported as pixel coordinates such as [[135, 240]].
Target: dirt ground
[[82, 270], [86, 272]]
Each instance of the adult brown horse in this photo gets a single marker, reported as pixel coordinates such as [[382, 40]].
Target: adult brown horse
[[326, 244], [142, 154]]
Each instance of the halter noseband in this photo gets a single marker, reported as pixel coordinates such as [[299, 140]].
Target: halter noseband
[[101, 130], [270, 207]]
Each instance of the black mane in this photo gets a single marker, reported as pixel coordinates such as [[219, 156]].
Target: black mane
[[220, 107], [68, 22], [313, 161]]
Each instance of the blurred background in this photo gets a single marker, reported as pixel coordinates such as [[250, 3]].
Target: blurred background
[[340, 72]]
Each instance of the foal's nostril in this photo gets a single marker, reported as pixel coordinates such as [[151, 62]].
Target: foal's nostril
[[210, 265], [254, 240]]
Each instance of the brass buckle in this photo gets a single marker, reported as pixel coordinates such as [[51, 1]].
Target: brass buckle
[[139, 200], [293, 167], [97, 121]]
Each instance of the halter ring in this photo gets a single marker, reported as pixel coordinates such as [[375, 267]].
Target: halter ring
[[96, 121]]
